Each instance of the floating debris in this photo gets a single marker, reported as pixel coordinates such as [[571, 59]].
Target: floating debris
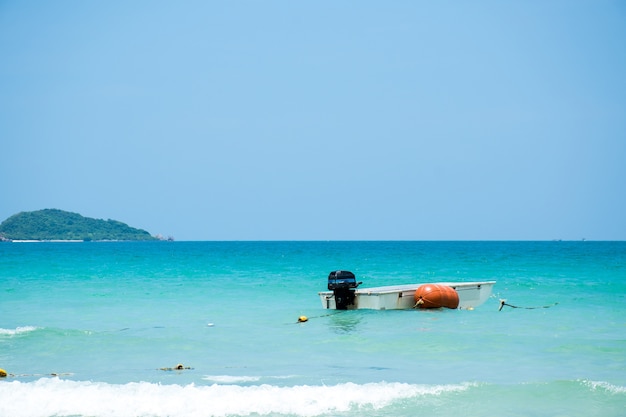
[[178, 367]]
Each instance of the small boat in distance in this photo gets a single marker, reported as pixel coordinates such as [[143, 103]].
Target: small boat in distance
[[343, 294]]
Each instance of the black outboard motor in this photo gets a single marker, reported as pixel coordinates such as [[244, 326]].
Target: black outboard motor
[[342, 284]]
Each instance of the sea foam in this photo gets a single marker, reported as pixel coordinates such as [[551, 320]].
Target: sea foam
[[17, 330], [602, 385], [54, 396], [231, 379]]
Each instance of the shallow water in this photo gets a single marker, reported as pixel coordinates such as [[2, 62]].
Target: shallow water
[[85, 329]]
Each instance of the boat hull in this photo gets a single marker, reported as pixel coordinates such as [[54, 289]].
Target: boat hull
[[401, 297]]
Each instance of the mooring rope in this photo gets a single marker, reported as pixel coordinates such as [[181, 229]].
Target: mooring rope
[[4, 374], [504, 303], [304, 319]]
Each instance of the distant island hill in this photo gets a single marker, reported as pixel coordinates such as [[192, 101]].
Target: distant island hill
[[58, 225]]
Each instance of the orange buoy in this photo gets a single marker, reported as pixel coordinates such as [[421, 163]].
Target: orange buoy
[[436, 296]]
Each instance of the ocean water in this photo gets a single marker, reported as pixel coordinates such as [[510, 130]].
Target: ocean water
[[94, 329]]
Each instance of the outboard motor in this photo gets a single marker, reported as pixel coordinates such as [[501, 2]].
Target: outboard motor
[[342, 284]]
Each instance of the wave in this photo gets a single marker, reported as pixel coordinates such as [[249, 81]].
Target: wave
[[232, 379], [18, 330], [47, 397], [605, 386], [53, 396]]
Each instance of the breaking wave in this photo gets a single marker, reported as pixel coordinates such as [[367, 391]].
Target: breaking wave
[[53, 396], [17, 330]]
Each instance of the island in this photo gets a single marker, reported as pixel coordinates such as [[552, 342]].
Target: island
[[59, 225]]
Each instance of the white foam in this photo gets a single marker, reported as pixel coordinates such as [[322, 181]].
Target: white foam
[[230, 379], [53, 396], [233, 379], [17, 330], [614, 389]]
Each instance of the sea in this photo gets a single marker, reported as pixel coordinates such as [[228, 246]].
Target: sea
[[98, 329]]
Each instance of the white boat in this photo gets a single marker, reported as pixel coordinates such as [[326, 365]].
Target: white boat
[[344, 295]]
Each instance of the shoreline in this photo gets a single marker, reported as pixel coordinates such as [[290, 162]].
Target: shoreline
[[76, 240], [51, 240]]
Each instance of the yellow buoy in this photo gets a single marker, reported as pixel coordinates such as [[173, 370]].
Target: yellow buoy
[[302, 319], [3, 373]]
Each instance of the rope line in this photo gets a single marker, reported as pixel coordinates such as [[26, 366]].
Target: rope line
[[504, 303], [316, 317], [54, 374]]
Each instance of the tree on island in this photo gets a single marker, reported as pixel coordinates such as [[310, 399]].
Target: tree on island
[[54, 224]]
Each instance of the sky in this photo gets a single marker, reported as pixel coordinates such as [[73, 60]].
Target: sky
[[319, 120]]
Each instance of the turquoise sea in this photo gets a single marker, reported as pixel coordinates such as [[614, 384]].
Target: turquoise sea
[[85, 329]]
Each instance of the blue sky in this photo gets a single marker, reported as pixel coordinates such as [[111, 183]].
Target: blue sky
[[325, 120]]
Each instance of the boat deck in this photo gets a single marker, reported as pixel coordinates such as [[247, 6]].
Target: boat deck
[[399, 297]]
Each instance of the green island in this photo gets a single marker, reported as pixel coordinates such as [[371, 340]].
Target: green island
[[59, 225]]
